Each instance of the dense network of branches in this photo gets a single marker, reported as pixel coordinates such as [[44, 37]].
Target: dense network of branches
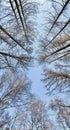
[[62, 110], [15, 95], [16, 32], [55, 48]]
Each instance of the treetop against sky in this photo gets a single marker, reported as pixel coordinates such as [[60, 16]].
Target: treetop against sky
[[35, 48]]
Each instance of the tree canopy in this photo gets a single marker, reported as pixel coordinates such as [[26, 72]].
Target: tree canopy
[[19, 32], [55, 48]]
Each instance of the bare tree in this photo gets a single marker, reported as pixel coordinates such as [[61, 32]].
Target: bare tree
[[55, 48], [38, 116], [15, 95], [17, 28], [16, 32], [63, 113]]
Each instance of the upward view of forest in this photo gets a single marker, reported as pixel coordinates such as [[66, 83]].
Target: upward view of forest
[[34, 33]]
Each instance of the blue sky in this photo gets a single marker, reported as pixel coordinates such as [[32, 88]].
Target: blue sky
[[35, 75], [35, 72]]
